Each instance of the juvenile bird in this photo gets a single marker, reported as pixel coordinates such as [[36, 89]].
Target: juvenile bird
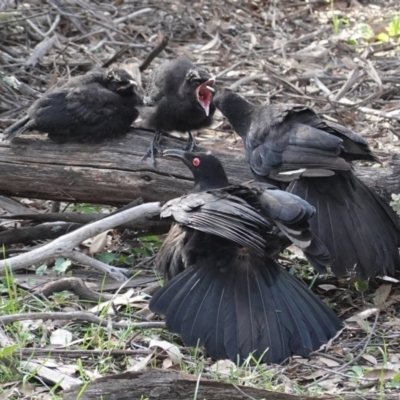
[[89, 108], [179, 97], [292, 147], [225, 289]]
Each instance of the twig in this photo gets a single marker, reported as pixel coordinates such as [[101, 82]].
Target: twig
[[395, 114], [52, 375], [154, 53], [226, 70], [37, 352], [65, 244], [116, 56], [359, 355], [367, 341], [117, 273], [245, 80], [75, 285], [133, 15], [353, 76], [78, 316], [24, 19]]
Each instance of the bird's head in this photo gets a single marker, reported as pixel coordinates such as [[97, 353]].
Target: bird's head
[[121, 82], [236, 109], [202, 84], [207, 170]]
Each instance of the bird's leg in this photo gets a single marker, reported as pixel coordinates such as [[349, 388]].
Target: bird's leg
[[154, 148], [191, 144]]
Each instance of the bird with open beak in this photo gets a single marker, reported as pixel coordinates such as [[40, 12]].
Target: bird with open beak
[[179, 97]]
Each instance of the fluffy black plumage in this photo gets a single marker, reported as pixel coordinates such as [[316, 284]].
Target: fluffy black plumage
[[225, 290], [179, 97], [88, 108], [291, 146]]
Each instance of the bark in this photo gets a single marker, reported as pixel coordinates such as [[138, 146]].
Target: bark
[[112, 172], [156, 384]]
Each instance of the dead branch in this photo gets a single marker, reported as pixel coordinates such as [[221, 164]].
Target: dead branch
[[29, 234], [155, 384], [65, 244], [64, 353], [74, 285], [112, 172], [154, 53], [78, 316]]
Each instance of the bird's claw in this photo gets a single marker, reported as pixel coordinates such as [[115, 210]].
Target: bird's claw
[[191, 144], [153, 149]]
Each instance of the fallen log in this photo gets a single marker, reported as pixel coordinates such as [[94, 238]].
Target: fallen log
[[112, 172], [156, 384]]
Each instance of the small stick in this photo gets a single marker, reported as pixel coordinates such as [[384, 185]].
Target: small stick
[[116, 56], [154, 53], [78, 316]]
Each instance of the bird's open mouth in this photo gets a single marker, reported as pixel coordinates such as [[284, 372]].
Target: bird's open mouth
[[205, 93]]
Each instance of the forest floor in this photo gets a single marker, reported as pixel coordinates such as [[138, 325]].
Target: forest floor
[[339, 57]]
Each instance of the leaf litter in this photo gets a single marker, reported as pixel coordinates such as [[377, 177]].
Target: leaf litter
[[339, 57]]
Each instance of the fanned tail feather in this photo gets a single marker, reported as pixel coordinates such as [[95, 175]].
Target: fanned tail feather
[[358, 228], [242, 306]]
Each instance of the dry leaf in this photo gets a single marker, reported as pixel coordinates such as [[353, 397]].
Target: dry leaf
[[330, 383], [327, 287], [389, 279], [167, 363], [381, 294], [329, 362], [118, 301], [173, 352], [31, 325], [370, 359], [98, 243], [253, 40], [61, 337], [210, 44], [139, 365], [381, 374], [363, 315], [224, 367]]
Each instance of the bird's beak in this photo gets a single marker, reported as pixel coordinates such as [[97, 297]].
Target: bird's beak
[[175, 153], [130, 84], [204, 93], [181, 154]]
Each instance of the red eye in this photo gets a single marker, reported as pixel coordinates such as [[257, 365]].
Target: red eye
[[196, 161]]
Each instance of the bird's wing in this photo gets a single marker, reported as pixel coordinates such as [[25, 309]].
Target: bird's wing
[[218, 213], [92, 103], [49, 112], [291, 214], [287, 148], [354, 147]]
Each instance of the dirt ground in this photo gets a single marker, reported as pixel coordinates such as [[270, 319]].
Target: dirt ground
[[340, 57]]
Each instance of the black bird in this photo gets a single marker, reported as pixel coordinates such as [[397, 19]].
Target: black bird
[[225, 290], [179, 97], [88, 108], [292, 147]]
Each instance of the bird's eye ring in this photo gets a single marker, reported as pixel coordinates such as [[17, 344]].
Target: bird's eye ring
[[196, 161]]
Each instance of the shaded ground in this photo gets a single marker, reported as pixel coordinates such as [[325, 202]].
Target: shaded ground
[[339, 57]]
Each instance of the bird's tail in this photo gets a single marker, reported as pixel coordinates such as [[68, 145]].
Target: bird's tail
[[17, 128], [360, 231], [244, 308]]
